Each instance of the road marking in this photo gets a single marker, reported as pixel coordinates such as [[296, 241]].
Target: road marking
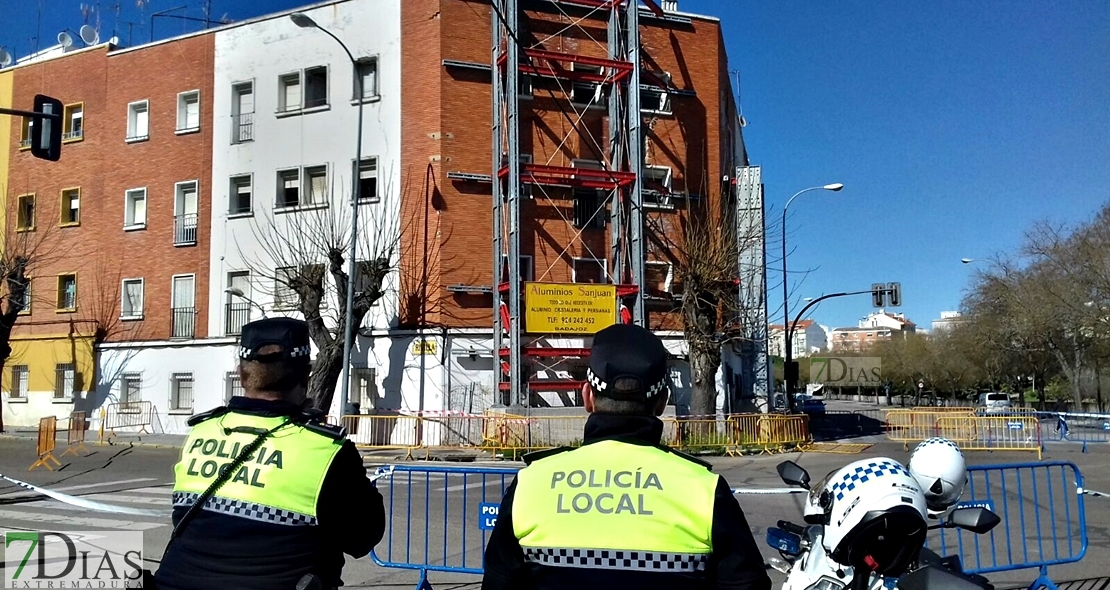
[[81, 487], [166, 491], [125, 525], [126, 499]]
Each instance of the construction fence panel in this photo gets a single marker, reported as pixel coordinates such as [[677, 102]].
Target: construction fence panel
[[47, 439], [439, 518], [906, 426], [138, 414], [1043, 518], [383, 432], [1077, 427]]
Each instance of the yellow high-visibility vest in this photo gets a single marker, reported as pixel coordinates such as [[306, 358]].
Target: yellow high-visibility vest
[[279, 483], [616, 505]]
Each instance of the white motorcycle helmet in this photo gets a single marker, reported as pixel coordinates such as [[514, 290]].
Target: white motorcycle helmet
[[874, 515], [939, 467]]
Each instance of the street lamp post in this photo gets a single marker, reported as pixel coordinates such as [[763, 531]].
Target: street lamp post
[[787, 368], [305, 22]]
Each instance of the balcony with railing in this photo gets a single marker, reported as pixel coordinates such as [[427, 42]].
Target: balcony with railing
[[242, 127], [185, 229], [236, 315], [183, 322]]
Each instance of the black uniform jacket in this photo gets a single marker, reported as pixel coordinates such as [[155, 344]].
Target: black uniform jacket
[[735, 563], [223, 551]]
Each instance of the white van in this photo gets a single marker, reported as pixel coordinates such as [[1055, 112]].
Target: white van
[[995, 402]]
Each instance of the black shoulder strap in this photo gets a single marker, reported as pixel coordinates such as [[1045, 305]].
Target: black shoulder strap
[[689, 458], [529, 458], [213, 413], [311, 421], [221, 479]]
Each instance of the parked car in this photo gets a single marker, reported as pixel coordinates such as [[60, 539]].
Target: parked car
[[995, 402]]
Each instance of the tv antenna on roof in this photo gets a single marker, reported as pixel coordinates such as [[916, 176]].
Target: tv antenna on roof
[[90, 35]]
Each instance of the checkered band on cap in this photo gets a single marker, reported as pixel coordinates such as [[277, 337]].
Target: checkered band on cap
[[865, 473], [598, 385], [644, 561], [300, 351], [247, 510], [937, 441]]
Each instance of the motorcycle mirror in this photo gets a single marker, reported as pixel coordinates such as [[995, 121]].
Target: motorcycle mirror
[[976, 520], [793, 474]]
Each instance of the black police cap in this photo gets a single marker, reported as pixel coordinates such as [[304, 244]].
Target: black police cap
[[288, 333], [631, 353]]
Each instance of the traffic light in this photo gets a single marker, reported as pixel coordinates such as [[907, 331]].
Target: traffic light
[[878, 295], [46, 132], [895, 290]]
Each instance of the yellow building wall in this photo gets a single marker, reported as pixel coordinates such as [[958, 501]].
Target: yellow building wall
[[41, 354]]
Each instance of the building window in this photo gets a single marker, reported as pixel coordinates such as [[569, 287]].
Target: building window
[[655, 100], [240, 195], [368, 180], [185, 213], [316, 185], [73, 123], [138, 121], [65, 380], [131, 304], [316, 87], [368, 74], [184, 313], [657, 186], [588, 92], [234, 385], [130, 388], [365, 385], [657, 276], [288, 188], [67, 292], [181, 392], [25, 133], [526, 268], [134, 214], [25, 216], [21, 382], [71, 207], [589, 211], [285, 294], [242, 112], [289, 95], [25, 306], [589, 270], [238, 311], [188, 111]]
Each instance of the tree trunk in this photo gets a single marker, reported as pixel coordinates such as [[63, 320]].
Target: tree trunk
[[705, 359], [325, 375]]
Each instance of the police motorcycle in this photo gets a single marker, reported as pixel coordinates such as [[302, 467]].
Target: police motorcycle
[[867, 523]]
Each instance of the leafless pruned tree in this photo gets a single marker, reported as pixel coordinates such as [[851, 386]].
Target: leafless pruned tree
[[303, 258], [22, 254]]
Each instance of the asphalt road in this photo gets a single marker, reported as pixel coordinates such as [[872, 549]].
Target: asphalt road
[[141, 476]]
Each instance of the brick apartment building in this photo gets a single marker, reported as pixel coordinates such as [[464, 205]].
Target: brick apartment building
[[191, 148]]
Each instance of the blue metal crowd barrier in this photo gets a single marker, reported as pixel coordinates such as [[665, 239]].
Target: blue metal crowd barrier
[[432, 514], [1081, 428], [1043, 519]]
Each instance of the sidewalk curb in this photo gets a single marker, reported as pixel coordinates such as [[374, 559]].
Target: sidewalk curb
[[93, 443]]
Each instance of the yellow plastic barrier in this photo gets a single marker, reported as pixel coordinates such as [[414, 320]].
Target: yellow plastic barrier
[[48, 430], [75, 436], [906, 426], [993, 433]]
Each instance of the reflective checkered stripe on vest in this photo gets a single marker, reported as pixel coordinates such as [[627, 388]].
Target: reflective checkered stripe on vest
[[614, 505], [279, 484]]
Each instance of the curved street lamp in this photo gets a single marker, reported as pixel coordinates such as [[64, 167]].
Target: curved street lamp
[[834, 187]]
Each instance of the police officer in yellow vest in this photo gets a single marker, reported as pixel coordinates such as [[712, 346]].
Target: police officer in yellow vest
[[292, 505], [622, 511]]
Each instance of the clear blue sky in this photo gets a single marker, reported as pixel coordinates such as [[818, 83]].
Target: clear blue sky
[[953, 125]]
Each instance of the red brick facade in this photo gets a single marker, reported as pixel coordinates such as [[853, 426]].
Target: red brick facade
[[446, 123], [104, 165]]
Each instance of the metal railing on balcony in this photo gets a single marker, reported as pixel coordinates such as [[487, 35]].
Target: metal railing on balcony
[[242, 127], [185, 229], [236, 315], [77, 134], [184, 322]]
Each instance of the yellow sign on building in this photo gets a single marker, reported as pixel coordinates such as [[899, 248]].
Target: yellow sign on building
[[569, 308]]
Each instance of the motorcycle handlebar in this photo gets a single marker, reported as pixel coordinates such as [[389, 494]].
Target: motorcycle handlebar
[[792, 528]]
